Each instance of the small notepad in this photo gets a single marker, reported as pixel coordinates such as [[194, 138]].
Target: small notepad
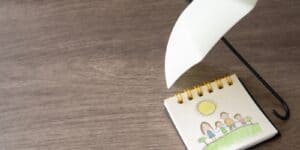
[[219, 115]]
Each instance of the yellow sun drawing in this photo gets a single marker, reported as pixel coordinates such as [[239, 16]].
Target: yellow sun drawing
[[206, 107]]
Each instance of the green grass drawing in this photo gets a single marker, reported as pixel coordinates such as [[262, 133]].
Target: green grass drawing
[[235, 136]]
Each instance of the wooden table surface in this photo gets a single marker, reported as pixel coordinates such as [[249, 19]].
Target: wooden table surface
[[83, 75]]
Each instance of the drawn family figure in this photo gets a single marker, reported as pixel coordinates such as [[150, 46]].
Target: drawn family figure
[[227, 120], [226, 128], [221, 127], [207, 130], [239, 118]]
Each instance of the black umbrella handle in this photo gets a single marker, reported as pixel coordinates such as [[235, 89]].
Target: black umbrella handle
[[284, 105]]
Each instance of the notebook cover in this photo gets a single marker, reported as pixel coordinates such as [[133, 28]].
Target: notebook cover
[[251, 125]]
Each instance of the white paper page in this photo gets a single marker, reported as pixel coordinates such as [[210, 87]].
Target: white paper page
[[197, 30], [232, 100]]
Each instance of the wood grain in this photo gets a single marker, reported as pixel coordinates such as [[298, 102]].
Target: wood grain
[[90, 74]]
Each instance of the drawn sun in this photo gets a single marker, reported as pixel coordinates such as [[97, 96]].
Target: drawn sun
[[206, 107]]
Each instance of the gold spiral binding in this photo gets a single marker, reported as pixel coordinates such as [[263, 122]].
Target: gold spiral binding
[[179, 98], [189, 94], [229, 80], [219, 83], [208, 85], [198, 90]]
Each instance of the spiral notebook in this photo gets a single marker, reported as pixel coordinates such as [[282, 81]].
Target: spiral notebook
[[219, 115]]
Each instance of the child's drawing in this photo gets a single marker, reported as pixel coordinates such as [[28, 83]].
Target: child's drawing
[[221, 127], [240, 120], [207, 130], [227, 131], [227, 120]]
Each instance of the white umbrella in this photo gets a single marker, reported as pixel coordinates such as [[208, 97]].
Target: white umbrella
[[198, 29]]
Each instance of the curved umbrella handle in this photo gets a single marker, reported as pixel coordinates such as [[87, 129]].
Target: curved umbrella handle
[[284, 105]]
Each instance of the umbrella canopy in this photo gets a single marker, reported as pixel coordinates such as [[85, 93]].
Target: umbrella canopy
[[198, 29]]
